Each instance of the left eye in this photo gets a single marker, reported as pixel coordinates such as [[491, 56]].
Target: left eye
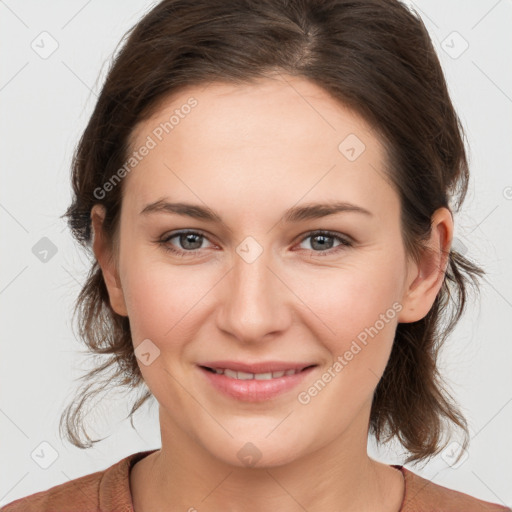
[[320, 240], [191, 242]]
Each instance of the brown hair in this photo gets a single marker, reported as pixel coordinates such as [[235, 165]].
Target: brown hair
[[374, 56]]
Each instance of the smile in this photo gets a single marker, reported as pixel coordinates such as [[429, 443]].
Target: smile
[[254, 387], [232, 374]]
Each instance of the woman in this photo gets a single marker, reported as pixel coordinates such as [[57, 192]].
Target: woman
[[267, 187]]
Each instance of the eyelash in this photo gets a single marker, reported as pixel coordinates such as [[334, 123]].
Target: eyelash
[[345, 242]]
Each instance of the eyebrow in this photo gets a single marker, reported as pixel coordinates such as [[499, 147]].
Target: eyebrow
[[294, 214]]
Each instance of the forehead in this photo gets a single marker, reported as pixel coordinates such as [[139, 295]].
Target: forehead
[[236, 111], [282, 137]]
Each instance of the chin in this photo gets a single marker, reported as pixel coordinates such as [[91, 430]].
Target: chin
[[255, 454]]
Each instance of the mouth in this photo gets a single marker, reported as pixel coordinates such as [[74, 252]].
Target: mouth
[[265, 382], [243, 375]]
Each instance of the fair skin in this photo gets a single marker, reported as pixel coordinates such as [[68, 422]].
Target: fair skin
[[249, 153]]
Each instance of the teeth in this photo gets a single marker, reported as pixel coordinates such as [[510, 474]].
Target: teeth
[[261, 376], [243, 375], [257, 376]]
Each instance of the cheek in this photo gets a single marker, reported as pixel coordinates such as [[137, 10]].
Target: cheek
[[163, 304], [359, 305], [349, 299], [161, 299]]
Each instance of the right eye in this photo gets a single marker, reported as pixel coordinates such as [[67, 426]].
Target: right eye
[[187, 239]]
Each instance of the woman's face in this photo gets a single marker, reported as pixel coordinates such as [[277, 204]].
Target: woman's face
[[254, 282]]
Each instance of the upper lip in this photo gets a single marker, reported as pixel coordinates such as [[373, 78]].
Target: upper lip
[[262, 367]]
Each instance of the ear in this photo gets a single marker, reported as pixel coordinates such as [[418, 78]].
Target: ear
[[426, 276], [106, 261]]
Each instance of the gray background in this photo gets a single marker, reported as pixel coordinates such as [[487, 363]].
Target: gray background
[[46, 101]]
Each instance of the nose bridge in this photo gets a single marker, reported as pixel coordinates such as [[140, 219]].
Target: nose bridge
[[253, 303]]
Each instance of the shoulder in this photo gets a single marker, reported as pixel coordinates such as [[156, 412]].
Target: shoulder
[[422, 495], [103, 491], [78, 494]]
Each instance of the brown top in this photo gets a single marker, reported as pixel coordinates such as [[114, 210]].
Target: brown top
[[109, 491]]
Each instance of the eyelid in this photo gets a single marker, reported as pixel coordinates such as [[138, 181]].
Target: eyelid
[[184, 231]]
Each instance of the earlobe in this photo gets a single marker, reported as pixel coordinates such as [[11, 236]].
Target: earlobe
[[427, 275], [106, 261]]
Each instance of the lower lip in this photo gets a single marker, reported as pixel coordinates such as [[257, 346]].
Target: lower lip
[[255, 390]]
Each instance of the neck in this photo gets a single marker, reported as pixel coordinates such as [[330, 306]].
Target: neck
[[336, 476]]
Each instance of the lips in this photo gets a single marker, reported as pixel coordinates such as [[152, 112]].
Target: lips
[[261, 368], [255, 382], [249, 376]]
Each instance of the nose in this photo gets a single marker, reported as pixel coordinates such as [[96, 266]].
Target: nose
[[254, 300]]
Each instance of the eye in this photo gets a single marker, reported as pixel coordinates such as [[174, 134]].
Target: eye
[[322, 240], [191, 241]]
